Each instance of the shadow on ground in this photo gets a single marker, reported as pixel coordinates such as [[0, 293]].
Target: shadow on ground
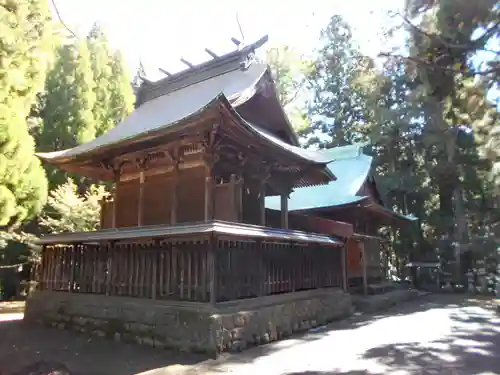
[[472, 347], [22, 345]]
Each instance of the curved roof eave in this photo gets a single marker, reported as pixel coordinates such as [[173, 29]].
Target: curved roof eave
[[68, 154], [313, 156], [307, 156], [169, 109]]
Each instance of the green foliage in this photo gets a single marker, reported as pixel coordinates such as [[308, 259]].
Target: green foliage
[[122, 97], [290, 69], [25, 51], [100, 56], [427, 126], [68, 211], [87, 92], [68, 118], [337, 109]]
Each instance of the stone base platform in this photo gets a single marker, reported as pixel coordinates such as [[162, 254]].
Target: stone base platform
[[189, 326], [383, 301]]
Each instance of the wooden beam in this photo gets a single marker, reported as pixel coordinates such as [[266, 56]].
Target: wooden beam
[[185, 62], [211, 53], [284, 211], [167, 73]]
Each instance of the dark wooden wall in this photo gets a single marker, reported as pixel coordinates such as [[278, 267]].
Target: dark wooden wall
[[227, 202], [191, 195], [251, 206], [157, 199], [127, 193]]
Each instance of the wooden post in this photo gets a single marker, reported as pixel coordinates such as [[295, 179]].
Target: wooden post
[[154, 254], [344, 267], [363, 260], [262, 204], [73, 268], [212, 277], [284, 211], [173, 197], [109, 266], [140, 204]]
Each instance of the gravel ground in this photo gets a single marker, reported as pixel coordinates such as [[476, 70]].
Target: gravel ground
[[436, 334]]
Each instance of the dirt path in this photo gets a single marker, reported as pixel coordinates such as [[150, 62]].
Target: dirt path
[[432, 335]]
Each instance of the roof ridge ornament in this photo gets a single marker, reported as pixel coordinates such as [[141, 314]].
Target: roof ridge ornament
[[246, 52], [241, 59]]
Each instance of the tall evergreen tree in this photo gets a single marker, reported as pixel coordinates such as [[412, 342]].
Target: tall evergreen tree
[[25, 50], [337, 109], [442, 47], [122, 97], [87, 92], [100, 56], [68, 118]]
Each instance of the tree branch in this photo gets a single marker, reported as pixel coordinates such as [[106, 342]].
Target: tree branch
[[433, 65], [60, 19], [474, 44]]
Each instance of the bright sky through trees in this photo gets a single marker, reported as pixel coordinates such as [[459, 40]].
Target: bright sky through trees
[[160, 32]]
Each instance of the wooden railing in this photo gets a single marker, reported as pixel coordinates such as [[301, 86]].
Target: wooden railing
[[202, 271], [154, 270], [248, 269]]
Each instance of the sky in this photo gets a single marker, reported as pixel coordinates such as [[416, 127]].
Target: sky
[[160, 32]]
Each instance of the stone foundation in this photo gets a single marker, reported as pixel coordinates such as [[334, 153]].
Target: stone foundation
[[189, 326]]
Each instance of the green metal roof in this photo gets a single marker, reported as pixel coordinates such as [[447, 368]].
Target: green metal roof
[[350, 166]]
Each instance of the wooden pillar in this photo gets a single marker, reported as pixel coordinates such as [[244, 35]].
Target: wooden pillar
[[72, 275], [344, 267], [212, 276], [262, 204], [140, 203], [173, 197], [154, 254], [363, 260], [284, 211], [109, 267]]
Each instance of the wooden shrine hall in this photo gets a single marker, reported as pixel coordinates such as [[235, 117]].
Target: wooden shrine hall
[[354, 199], [187, 255]]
